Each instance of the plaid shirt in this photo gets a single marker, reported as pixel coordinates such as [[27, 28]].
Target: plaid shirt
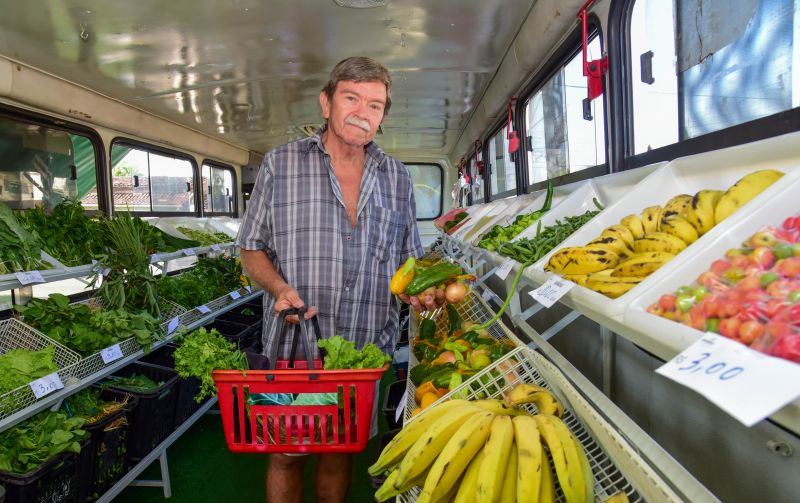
[[296, 214]]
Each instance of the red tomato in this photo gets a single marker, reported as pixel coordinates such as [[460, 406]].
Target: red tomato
[[763, 256], [729, 308], [778, 329], [789, 223], [741, 262], [790, 267], [656, 310], [787, 347], [750, 331], [667, 302], [711, 306], [720, 266], [780, 289], [708, 279], [756, 297], [697, 318], [772, 307], [729, 327], [748, 283]]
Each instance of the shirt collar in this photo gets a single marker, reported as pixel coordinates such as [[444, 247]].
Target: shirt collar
[[372, 149]]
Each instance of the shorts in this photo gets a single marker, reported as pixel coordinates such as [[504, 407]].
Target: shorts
[[373, 429]]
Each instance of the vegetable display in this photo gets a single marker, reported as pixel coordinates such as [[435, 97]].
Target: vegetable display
[[498, 234], [200, 353], [205, 238], [19, 249], [21, 366], [436, 279], [133, 382], [209, 279], [26, 446]]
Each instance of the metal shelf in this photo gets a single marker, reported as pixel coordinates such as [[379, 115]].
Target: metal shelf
[[54, 399]]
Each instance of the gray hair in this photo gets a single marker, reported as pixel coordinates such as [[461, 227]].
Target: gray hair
[[360, 69]]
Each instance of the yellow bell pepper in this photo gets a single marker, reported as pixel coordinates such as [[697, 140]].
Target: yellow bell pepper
[[402, 277]]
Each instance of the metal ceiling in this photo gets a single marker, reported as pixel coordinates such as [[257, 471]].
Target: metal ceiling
[[250, 71]]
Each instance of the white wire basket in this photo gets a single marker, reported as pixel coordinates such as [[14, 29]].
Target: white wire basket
[[16, 335]]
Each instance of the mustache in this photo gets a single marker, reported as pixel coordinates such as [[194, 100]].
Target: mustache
[[354, 121]]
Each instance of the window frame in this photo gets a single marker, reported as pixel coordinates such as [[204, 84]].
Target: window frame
[[39, 119], [570, 47], [621, 108], [490, 166], [441, 184], [149, 147], [226, 167]]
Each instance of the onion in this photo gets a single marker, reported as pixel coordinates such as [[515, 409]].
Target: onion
[[455, 292]]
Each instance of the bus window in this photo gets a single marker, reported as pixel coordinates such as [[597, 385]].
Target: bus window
[[428, 180], [476, 180], [149, 181], [503, 173], [561, 140], [219, 191], [693, 75], [43, 166]]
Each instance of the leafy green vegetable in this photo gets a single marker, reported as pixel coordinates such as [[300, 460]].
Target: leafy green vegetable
[[21, 366], [209, 279], [200, 353], [205, 238], [247, 312], [26, 446], [342, 354], [134, 382], [19, 249]]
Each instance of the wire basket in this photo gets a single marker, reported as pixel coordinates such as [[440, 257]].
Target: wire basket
[[194, 315], [16, 335]]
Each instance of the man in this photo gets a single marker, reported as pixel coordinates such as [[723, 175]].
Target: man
[[330, 219]]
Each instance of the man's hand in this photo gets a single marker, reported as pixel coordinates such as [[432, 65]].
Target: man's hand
[[287, 298], [429, 300]]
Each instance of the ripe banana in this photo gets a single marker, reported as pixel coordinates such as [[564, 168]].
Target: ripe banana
[[571, 448], [547, 489], [612, 286], [508, 490], [743, 191], [650, 219], [634, 224], [388, 490], [611, 243], [581, 260], [496, 406], [621, 232], [544, 400], [469, 483], [455, 457], [563, 473], [428, 446], [701, 212], [659, 241], [642, 264], [495, 459], [397, 447], [680, 228], [676, 206], [579, 279], [529, 459]]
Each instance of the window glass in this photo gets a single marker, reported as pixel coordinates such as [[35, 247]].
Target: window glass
[[147, 181], [476, 179], [44, 166], [427, 179], [561, 140], [713, 66], [503, 174], [218, 190]]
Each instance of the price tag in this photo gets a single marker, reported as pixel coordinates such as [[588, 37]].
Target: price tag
[[188, 251], [551, 291], [203, 309], [111, 353], [725, 371], [173, 324], [235, 294], [249, 289], [155, 258], [28, 277], [399, 412], [505, 268], [216, 247], [46, 385]]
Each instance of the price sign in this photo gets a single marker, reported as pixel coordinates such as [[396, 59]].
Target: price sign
[[505, 268], [173, 324], [724, 371], [235, 294], [188, 251], [46, 385], [399, 412], [155, 258], [111, 353], [216, 247], [28, 277], [249, 289], [204, 309], [551, 291]]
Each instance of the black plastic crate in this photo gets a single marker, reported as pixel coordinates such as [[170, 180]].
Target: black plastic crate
[[234, 332], [395, 394], [187, 388], [154, 419], [54, 480], [105, 459], [235, 315]]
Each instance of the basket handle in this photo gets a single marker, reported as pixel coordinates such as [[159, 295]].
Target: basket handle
[[300, 332]]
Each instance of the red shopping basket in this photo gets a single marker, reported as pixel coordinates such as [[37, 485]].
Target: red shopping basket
[[342, 427]]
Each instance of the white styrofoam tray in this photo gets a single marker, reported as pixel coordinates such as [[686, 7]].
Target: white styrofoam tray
[[711, 170]]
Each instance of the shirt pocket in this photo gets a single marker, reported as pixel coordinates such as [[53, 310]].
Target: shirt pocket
[[384, 232]]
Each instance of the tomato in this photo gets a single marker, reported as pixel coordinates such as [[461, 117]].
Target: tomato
[[711, 306], [756, 297], [763, 238], [794, 296], [767, 278], [656, 310], [790, 267], [772, 307], [707, 279], [787, 347], [749, 283], [728, 308], [778, 329], [729, 327], [750, 331], [783, 250], [741, 262], [763, 256], [712, 325], [720, 266], [790, 223], [684, 302], [733, 275], [780, 289], [667, 302], [697, 318]]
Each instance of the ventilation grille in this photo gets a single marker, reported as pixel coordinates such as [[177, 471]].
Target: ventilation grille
[[360, 4]]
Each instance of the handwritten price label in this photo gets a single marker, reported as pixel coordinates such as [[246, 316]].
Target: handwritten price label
[[173, 324], [188, 251], [216, 247], [46, 385], [724, 371], [235, 294], [111, 353], [28, 277], [204, 309], [155, 258], [505, 268], [551, 291]]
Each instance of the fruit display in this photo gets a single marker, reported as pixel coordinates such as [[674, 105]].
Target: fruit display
[[752, 295], [626, 253], [498, 234], [441, 279], [488, 451]]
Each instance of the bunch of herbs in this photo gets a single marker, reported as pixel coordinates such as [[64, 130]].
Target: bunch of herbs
[[200, 353]]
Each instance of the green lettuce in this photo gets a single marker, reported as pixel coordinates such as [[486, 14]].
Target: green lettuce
[[342, 354]]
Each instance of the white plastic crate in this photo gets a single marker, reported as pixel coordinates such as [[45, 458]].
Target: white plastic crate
[[519, 205], [484, 214], [713, 170]]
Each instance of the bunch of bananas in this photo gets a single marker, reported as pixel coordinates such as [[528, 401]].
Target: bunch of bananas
[[488, 451], [625, 254]]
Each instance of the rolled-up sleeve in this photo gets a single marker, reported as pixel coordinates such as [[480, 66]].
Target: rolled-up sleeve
[[412, 245], [255, 232]]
